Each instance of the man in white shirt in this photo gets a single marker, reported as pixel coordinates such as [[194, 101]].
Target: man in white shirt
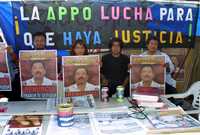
[[152, 46], [38, 72], [147, 75], [81, 81]]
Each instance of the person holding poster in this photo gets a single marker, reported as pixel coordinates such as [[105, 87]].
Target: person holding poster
[[78, 48], [114, 68], [147, 78], [152, 46], [38, 72], [81, 81], [39, 40]]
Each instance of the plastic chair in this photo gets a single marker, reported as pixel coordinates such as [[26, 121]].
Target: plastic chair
[[193, 90]]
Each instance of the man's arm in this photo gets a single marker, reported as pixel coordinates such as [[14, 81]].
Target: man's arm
[[126, 81], [169, 65], [104, 81]]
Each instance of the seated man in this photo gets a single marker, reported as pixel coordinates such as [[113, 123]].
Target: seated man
[[147, 78], [38, 72], [114, 69], [152, 49], [81, 81]]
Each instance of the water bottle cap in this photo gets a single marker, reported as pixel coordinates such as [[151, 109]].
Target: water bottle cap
[[120, 88]]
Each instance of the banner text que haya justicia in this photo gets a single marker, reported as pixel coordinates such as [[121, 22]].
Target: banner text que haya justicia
[[96, 23]]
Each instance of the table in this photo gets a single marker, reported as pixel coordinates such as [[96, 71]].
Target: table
[[38, 107]]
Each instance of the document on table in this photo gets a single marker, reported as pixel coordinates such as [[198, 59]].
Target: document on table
[[173, 120], [116, 123], [80, 102], [81, 126]]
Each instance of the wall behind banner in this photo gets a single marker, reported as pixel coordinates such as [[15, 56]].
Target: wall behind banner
[[97, 22]]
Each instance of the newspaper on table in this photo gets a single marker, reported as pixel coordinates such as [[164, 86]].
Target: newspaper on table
[[147, 74], [24, 125], [81, 126], [5, 78], [116, 123], [38, 73], [79, 102], [81, 75], [172, 120]]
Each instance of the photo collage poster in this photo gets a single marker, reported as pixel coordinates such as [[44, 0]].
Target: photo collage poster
[[38, 73], [147, 74], [24, 124], [5, 78], [81, 75]]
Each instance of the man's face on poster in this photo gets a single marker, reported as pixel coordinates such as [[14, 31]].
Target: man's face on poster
[[81, 76], [38, 70], [147, 74]]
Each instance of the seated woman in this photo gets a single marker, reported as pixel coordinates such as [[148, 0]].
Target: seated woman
[[79, 48]]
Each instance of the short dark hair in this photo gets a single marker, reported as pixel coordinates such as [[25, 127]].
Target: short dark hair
[[39, 34], [115, 40], [80, 67], [38, 61], [77, 68], [153, 38], [146, 65]]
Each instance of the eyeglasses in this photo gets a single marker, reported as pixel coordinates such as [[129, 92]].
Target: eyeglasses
[[137, 112]]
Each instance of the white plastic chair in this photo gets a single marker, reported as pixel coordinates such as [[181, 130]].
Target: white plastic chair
[[193, 90]]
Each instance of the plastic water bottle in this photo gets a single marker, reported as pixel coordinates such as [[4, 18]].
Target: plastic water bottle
[[120, 93]]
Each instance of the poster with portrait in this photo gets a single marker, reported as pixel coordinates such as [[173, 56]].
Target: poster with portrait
[[81, 75], [24, 124], [38, 73], [147, 74], [5, 78], [178, 57]]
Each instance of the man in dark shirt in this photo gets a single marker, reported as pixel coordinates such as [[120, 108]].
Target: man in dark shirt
[[114, 70]]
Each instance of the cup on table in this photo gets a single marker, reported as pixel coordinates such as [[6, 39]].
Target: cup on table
[[65, 116]]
